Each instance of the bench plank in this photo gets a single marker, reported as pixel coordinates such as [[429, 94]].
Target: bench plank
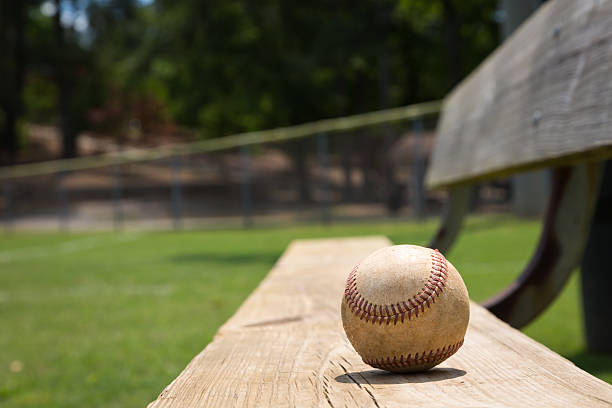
[[285, 346], [543, 98]]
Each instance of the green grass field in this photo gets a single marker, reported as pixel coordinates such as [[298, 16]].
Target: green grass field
[[109, 319]]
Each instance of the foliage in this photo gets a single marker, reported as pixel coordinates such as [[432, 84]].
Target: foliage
[[108, 320], [238, 65]]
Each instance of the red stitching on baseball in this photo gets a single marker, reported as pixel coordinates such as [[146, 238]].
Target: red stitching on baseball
[[409, 361], [375, 313]]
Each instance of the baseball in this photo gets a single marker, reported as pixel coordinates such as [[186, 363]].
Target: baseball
[[405, 308]]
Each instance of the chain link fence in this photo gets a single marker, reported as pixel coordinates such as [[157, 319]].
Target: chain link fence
[[363, 167]]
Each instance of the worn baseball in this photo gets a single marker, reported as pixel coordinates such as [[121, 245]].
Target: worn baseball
[[405, 308]]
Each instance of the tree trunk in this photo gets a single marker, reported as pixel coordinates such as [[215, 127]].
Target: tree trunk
[[453, 43], [65, 88], [384, 99], [12, 26]]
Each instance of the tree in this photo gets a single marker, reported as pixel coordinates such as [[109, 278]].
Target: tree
[[234, 65], [65, 85], [12, 71]]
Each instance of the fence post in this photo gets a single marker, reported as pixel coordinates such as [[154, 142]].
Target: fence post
[[117, 196], [9, 216], [418, 169], [246, 193], [62, 202], [176, 193], [323, 155]]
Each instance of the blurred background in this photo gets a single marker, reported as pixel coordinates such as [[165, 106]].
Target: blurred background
[[127, 211], [87, 78]]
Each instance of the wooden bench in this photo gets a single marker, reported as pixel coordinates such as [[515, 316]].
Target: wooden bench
[[543, 99], [285, 346]]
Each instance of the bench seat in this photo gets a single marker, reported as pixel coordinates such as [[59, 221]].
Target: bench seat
[[285, 346]]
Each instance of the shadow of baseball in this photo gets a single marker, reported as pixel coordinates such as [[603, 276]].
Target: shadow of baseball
[[386, 377]]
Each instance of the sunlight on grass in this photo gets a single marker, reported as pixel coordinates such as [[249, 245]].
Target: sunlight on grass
[[103, 320]]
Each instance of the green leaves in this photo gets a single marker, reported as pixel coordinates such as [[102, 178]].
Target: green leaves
[[239, 65]]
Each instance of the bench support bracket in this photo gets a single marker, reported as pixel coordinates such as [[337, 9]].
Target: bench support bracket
[[458, 204], [562, 241]]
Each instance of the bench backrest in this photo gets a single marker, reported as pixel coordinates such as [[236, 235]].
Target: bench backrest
[[544, 98]]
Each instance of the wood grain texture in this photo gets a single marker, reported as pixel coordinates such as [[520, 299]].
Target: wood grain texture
[[543, 98], [285, 347]]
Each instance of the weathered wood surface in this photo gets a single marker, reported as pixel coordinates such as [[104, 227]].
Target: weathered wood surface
[[544, 98], [285, 347]]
